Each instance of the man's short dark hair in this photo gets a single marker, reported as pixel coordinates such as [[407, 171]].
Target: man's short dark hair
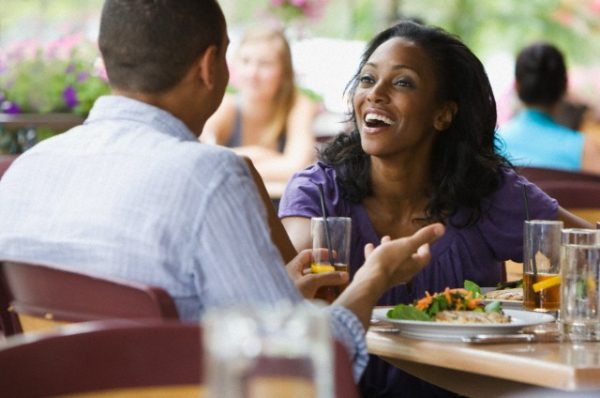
[[149, 45], [541, 74]]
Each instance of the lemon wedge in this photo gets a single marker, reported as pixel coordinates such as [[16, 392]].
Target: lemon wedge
[[545, 284], [320, 268]]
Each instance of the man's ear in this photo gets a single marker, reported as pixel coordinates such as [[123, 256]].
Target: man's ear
[[444, 118], [207, 65]]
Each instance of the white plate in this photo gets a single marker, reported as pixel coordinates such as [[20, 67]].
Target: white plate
[[506, 304], [454, 332]]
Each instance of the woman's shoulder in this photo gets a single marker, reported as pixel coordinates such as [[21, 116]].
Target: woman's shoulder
[[306, 101], [317, 173], [229, 103], [303, 192], [219, 126], [514, 195]]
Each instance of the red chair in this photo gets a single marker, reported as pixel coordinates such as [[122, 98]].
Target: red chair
[[279, 235], [538, 175], [102, 356], [5, 162], [122, 356], [43, 297], [581, 198]]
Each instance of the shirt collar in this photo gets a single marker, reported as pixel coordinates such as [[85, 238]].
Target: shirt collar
[[125, 108], [536, 115]]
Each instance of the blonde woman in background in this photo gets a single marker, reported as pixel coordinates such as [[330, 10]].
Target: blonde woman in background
[[268, 119]]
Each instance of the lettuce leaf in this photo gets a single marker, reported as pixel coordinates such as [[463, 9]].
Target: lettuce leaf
[[408, 312]]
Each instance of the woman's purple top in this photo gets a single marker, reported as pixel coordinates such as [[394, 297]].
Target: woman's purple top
[[476, 252]]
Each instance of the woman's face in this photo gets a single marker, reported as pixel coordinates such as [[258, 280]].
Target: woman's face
[[259, 70], [395, 102]]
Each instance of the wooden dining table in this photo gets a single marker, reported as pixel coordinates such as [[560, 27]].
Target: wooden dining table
[[547, 369]]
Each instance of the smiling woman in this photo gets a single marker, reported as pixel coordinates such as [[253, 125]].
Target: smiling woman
[[421, 149]]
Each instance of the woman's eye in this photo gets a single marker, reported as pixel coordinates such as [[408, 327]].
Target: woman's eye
[[403, 83], [366, 79]]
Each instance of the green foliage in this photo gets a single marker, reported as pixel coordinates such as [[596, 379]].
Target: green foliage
[[40, 83]]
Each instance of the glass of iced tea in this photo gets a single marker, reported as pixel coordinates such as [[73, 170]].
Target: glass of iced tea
[[331, 250], [541, 265]]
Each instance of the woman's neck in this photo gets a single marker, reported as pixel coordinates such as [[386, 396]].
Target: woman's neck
[[400, 188]]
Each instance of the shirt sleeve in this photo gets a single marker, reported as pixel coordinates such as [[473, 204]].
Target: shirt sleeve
[[347, 328], [237, 261], [504, 213], [301, 196], [243, 266]]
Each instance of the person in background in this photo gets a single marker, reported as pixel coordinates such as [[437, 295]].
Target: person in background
[[422, 150], [269, 119], [533, 137], [131, 194]]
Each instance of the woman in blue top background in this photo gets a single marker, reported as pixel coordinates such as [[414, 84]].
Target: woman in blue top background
[[533, 137]]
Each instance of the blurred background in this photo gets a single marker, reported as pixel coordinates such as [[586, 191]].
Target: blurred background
[[49, 61]]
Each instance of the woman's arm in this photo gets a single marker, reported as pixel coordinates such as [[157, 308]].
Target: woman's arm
[[298, 230], [299, 149], [570, 220]]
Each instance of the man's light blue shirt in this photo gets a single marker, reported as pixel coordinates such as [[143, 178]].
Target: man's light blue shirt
[[132, 194], [533, 139]]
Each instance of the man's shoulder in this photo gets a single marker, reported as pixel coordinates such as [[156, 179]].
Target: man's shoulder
[[206, 153]]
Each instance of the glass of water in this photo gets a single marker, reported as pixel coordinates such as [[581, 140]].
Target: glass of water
[[274, 351], [580, 279]]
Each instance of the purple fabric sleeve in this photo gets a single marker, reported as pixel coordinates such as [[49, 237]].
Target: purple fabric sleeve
[[501, 227], [301, 196]]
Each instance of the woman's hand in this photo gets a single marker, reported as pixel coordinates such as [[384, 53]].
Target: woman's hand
[[369, 247], [308, 283], [390, 263], [400, 259]]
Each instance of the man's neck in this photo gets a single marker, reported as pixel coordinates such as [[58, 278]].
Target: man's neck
[[173, 102]]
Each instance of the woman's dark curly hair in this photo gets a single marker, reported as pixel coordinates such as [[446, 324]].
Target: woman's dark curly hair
[[465, 165]]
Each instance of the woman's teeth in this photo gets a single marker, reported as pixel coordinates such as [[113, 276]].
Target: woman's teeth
[[373, 118]]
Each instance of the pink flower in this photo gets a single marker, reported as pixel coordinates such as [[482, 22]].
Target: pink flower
[[23, 50], [564, 17], [63, 47], [299, 3]]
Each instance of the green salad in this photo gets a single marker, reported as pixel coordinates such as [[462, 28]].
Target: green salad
[[468, 298]]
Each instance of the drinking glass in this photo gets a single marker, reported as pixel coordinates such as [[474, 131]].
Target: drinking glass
[[268, 352], [541, 262], [580, 278], [331, 250]]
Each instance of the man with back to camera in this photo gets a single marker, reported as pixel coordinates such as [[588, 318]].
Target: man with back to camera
[[132, 194]]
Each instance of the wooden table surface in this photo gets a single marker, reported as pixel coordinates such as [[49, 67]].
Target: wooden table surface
[[491, 370]]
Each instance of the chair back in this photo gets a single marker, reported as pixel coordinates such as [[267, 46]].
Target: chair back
[[279, 235], [538, 175], [581, 198], [152, 357], [101, 356], [43, 297], [5, 162]]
